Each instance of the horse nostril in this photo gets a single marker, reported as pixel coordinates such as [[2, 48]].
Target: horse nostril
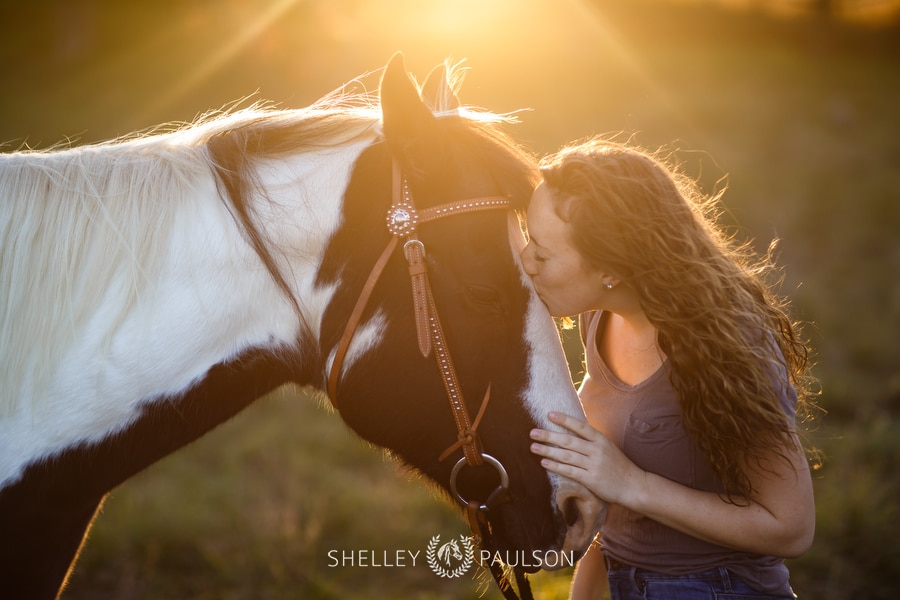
[[570, 511]]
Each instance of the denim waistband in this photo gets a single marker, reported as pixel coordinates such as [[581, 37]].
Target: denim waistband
[[716, 580], [614, 565]]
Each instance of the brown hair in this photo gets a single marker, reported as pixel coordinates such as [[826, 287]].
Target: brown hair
[[727, 335]]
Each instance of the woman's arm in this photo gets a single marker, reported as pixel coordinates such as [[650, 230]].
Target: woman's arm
[[590, 582], [779, 521]]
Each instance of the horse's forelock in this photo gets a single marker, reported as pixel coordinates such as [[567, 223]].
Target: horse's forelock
[[512, 166]]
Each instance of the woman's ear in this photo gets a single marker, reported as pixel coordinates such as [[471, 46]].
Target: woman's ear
[[608, 281]]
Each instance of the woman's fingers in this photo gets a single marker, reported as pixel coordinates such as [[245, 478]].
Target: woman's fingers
[[565, 462], [583, 433], [555, 438], [566, 470], [585, 455], [562, 452], [559, 454], [577, 426]]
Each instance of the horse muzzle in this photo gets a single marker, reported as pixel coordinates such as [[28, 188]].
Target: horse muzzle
[[583, 514]]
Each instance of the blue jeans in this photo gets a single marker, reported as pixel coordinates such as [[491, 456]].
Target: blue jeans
[[631, 583]]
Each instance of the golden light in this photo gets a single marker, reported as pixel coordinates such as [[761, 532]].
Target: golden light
[[253, 28], [523, 53]]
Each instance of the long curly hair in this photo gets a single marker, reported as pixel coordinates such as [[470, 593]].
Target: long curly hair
[[731, 344]]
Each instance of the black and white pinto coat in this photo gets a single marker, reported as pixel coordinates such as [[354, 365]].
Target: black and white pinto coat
[[152, 288]]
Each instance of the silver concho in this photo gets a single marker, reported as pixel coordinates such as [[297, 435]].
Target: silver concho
[[402, 219]]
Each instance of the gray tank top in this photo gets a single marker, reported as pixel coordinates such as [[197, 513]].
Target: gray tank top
[[644, 421]]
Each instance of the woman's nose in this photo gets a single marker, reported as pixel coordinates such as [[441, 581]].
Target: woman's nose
[[527, 262]]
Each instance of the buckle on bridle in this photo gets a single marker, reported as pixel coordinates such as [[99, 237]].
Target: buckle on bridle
[[411, 242]]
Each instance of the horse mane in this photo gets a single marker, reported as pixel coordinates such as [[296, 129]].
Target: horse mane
[[84, 227]]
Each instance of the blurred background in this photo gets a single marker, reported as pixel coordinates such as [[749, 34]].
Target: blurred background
[[790, 104]]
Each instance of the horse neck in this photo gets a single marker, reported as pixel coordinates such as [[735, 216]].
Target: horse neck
[[299, 208], [145, 266]]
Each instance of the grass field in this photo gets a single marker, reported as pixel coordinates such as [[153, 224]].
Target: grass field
[[799, 117]]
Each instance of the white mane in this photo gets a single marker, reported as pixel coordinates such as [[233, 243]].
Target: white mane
[[87, 226]]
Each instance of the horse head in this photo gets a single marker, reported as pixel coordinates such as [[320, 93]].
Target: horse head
[[506, 352], [451, 548]]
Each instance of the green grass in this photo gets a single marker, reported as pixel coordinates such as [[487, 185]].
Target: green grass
[[857, 552]]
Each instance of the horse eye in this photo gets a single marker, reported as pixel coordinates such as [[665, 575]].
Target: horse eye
[[485, 296]]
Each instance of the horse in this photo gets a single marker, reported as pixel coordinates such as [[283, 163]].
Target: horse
[[450, 550], [154, 286]]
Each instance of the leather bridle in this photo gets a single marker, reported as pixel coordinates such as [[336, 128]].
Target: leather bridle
[[403, 220]]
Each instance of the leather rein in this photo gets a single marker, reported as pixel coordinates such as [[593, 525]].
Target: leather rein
[[402, 221]]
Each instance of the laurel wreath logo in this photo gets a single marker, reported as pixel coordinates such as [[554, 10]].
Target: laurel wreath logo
[[438, 554]]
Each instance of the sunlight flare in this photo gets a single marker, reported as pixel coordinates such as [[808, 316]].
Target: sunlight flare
[[219, 56]]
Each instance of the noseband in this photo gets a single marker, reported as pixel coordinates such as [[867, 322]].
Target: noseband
[[402, 221]]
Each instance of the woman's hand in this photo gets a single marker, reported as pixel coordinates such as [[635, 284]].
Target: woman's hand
[[588, 457]]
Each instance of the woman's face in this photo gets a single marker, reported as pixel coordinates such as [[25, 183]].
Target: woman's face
[[562, 279]]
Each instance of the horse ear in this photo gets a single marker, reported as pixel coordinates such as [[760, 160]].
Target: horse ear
[[406, 119], [436, 91]]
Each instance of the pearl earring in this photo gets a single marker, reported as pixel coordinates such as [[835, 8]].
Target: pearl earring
[[609, 286]]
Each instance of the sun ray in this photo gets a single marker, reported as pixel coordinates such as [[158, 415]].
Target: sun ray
[[218, 57], [592, 18]]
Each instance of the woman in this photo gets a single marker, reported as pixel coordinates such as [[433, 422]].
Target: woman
[[694, 376]]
